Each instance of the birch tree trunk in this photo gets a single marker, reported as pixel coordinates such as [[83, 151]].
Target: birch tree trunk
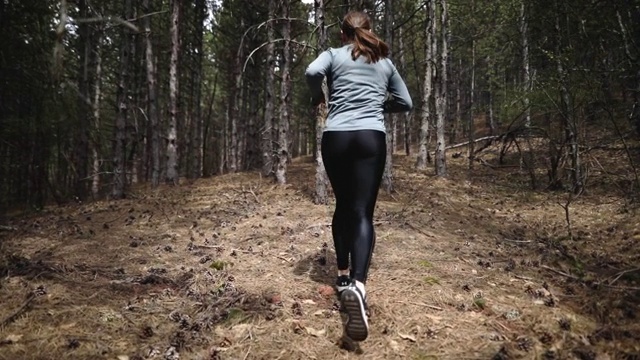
[[321, 196], [122, 103], [285, 90], [441, 101], [174, 88], [427, 84], [152, 106], [387, 177]]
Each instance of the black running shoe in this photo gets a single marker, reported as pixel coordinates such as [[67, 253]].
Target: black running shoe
[[342, 283], [353, 303]]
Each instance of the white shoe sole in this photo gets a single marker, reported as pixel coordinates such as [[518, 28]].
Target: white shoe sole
[[357, 328]]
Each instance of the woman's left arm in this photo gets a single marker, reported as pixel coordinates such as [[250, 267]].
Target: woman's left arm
[[315, 73]]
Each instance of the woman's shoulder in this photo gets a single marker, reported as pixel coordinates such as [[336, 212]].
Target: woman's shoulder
[[335, 50]]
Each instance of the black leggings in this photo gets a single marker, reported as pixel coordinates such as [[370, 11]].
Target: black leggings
[[354, 161]]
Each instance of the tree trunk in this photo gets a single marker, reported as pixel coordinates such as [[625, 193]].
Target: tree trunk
[[174, 88], [472, 97], [122, 102], [526, 69], [285, 97], [97, 96], [387, 177], [426, 114], [406, 117], [269, 110], [455, 124], [233, 109], [321, 196], [197, 127], [81, 148], [152, 106], [490, 116], [441, 101], [528, 158], [566, 113]]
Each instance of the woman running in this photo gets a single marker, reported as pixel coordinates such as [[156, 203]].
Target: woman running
[[359, 76]]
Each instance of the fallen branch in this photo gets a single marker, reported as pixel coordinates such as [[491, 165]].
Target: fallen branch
[[485, 163], [493, 137], [215, 247], [419, 230], [560, 272], [421, 304], [518, 241], [250, 191], [620, 274], [19, 311], [522, 278], [597, 283]]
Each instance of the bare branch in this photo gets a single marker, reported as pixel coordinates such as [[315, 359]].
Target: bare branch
[[267, 43], [109, 19]]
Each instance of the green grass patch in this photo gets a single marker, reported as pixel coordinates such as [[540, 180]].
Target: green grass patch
[[431, 280]]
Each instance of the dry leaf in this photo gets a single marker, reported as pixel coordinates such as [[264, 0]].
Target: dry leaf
[[314, 332], [308, 302], [394, 345], [123, 357], [407, 337], [12, 339], [240, 331]]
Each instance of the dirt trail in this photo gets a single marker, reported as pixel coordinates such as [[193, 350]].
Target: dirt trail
[[234, 267]]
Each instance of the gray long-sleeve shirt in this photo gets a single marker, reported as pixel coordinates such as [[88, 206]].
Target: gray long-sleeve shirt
[[357, 90]]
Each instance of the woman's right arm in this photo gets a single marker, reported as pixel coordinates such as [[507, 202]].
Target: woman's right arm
[[400, 100]]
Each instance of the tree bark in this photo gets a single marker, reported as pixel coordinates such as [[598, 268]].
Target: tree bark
[[97, 96], [152, 106], [269, 110], [441, 101], [174, 89], [285, 92], [566, 112], [122, 102], [197, 128], [526, 68], [455, 124], [387, 177], [472, 97], [321, 196], [81, 148], [427, 84], [406, 117]]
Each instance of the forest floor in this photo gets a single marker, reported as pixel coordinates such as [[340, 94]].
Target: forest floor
[[235, 267]]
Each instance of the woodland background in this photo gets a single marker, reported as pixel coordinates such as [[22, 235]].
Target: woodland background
[[98, 96]]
